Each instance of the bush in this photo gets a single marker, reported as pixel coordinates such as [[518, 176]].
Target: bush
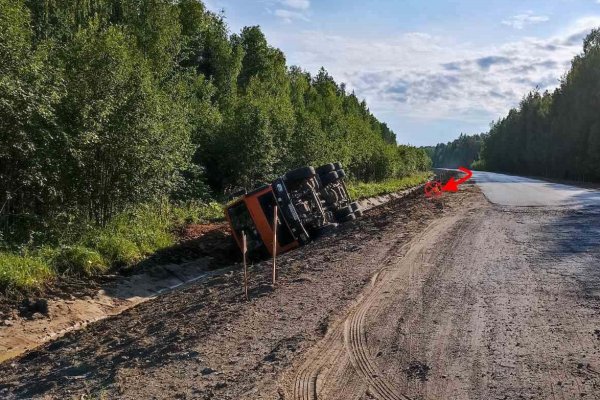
[[23, 273], [80, 260], [117, 250]]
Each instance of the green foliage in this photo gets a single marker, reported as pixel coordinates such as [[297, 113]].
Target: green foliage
[[107, 106], [554, 134], [124, 241], [22, 273], [117, 250], [79, 260], [193, 212], [131, 235], [128, 138], [462, 152], [362, 190]]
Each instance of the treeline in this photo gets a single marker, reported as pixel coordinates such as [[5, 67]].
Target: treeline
[[461, 152], [106, 104], [554, 134]]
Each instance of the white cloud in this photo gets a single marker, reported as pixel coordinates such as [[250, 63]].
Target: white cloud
[[519, 21], [418, 75], [290, 10], [288, 16], [297, 4]]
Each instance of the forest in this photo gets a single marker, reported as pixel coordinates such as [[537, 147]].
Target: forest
[[553, 134], [462, 152], [114, 112]]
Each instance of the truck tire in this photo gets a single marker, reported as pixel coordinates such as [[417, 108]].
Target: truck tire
[[337, 165], [343, 212], [329, 178], [348, 218], [327, 229], [323, 169], [300, 174], [356, 209], [341, 173]]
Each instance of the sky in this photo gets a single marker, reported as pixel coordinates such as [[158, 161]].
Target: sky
[[430, 69]]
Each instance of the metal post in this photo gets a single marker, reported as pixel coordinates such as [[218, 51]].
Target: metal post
[[244, 251], [274, 245]]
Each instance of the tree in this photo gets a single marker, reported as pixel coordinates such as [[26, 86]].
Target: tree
[[106, 104], [128, 138], [554, 134], [30, 141]]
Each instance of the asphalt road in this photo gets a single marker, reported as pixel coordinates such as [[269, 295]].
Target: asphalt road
[[512, 190]]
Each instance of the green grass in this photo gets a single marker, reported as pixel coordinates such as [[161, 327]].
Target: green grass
[[126, 240], [23, 273], [362, 190], [79, 260]]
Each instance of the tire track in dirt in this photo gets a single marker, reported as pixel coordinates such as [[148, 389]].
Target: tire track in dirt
[[332, 356], [335, 347], [356, 344]]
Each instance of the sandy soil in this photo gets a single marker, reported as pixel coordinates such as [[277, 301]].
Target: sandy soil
[[450, 299]]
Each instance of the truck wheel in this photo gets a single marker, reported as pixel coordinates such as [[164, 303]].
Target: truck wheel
[[343, 212], [341, 173], [329, 178], [323, 169], [300, 174], [327, 229], [348, 218], [337, 165], [356, 209]]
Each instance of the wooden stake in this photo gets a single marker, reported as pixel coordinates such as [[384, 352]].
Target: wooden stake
[[244, 251], [274, 245]]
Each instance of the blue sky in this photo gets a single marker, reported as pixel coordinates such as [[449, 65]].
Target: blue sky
[[430, 69]]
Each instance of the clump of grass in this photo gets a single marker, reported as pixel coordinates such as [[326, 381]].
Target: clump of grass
[[117, 250], [20, 273], [361, 190], [80, 260], [195, 212]]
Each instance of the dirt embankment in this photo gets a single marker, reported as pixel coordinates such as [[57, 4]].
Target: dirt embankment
[[72, 303], [205, 341]]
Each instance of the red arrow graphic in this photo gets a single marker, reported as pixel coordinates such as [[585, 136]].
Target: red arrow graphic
[[452, 185]]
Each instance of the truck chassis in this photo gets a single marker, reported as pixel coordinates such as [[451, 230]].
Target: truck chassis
[[310, 202]]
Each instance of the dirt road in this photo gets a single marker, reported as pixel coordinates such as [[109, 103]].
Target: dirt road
[[498, 304], [419, 300]]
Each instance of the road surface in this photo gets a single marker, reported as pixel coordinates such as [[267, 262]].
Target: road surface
[[512, 190], [489, 293]]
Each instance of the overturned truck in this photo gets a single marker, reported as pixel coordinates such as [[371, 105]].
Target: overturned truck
[[309, 202]]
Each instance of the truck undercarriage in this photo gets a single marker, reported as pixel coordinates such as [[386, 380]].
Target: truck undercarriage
[[309, 201]]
